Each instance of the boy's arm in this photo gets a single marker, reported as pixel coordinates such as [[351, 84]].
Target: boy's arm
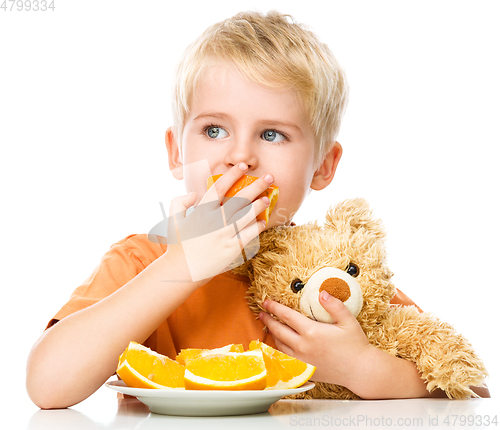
[[77, 355], [384, 376], [353, 363]]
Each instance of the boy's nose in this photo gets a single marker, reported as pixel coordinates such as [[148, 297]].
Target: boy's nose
[[242, 163], [241, 151]]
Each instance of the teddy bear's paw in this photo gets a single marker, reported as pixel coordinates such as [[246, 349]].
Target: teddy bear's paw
[[456, 382], [323, 390], [444, 357], [299, 396]]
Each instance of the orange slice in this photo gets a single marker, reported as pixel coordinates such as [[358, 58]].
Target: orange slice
[[272, 193], [226, 371], [283, 371], [190, 353], [140, 367], [226, 368]]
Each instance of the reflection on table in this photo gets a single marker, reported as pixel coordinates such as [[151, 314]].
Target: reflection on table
[[104, 411]]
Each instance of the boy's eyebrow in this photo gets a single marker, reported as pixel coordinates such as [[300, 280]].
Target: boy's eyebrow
[[277, 122], [264, 122], [212, 115]]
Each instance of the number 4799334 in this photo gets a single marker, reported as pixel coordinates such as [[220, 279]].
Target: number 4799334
[[27, 5]]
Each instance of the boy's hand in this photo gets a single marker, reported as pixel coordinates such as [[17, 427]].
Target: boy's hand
[[336, 350], [212, 235]]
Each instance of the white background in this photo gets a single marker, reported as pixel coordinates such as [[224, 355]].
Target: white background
[[85, 102]]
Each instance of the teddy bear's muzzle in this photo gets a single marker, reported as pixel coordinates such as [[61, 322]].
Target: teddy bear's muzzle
[[338, 284]]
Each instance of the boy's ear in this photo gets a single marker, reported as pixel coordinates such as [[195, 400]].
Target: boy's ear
[[174, 156], [326, 171]]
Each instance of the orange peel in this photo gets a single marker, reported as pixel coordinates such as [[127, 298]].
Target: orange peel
[[271, 193]]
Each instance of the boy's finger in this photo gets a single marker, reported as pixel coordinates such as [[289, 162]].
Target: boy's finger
[[336, 308], [257, 187], [219, 189], [293, 319], [279, 331], [283, 348], [247, 215], [179, 205], [247, 195], [246, 235]]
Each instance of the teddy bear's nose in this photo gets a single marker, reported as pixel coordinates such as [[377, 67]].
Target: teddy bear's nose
[[336, 287]]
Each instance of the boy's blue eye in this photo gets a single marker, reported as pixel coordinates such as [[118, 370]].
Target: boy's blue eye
[[273, 136], [216, 132]]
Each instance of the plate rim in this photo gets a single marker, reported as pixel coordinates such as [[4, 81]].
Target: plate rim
[[121, 387]]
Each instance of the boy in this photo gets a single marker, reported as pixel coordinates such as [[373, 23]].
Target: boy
[[254, 95]]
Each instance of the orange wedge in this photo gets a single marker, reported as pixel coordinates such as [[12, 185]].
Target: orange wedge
[[190, 353], [226, 368], [226, 371], [140, 367], [283, 371], [272, 193]]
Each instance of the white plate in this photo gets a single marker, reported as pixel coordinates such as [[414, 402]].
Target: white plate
[[206, 402]]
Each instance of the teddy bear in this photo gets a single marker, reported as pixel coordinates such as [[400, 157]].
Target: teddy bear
[[347, 257]]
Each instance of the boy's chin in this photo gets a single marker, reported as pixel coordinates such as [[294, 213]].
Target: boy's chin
[[275, 223]]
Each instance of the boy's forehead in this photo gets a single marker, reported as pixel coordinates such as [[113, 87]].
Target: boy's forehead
[[223, 91], [224, 77]]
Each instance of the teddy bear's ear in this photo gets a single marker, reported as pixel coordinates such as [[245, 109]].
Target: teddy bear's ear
[[352, 215]]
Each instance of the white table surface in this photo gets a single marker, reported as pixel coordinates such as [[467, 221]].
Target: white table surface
[[103, 410]]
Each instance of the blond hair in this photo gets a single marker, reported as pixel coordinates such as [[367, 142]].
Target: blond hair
[[275, 51]]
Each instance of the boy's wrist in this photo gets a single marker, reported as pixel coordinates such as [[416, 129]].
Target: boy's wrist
[[370, 372], [359, 371], [380, 375], [177, 269]]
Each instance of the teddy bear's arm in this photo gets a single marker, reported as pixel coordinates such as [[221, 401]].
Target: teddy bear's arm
[[444, 357]]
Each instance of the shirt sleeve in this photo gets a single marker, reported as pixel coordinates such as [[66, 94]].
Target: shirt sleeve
[[124, 260]]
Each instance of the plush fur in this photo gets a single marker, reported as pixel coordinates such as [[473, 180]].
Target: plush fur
[[350, 235]]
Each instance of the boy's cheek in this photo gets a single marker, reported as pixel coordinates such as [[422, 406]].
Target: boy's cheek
[[196, 174]]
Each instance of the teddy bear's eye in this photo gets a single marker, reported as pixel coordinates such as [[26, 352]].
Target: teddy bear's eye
[[352, 270], [296, 285]]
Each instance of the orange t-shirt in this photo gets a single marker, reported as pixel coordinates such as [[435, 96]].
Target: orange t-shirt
[[215, 315]]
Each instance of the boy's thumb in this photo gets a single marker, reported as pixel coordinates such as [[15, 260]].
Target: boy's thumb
[[179, 205], [336, 308]]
